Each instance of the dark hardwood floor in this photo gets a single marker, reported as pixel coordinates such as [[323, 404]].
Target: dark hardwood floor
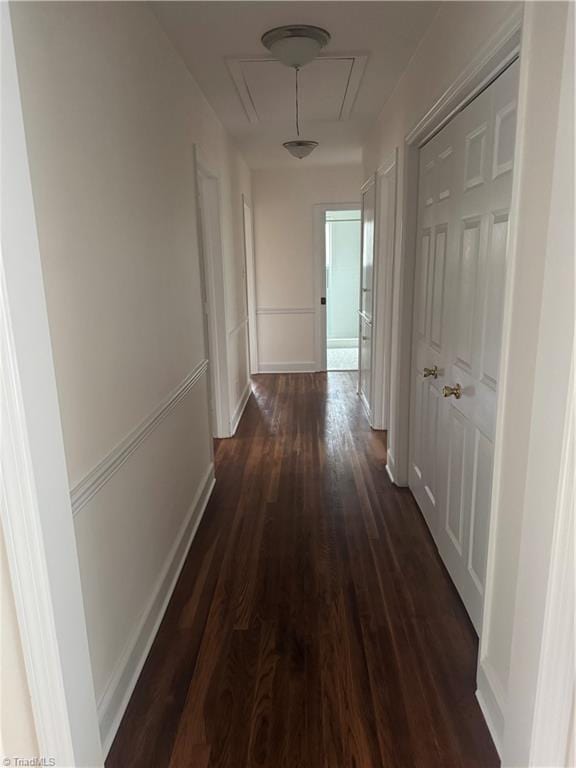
[[313, 625]]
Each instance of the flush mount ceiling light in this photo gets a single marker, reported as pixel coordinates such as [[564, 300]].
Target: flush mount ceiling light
[[296, 44], [300, 148]]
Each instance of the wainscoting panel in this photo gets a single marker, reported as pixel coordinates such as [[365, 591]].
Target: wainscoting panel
[[286, 339], [140, 510]]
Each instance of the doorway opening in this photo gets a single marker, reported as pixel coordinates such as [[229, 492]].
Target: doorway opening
[[342, 270]]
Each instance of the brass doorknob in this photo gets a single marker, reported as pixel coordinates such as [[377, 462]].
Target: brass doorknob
[[455, 391], [431, 372]]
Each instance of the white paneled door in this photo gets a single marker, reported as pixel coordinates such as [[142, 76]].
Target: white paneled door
[[464, 201]]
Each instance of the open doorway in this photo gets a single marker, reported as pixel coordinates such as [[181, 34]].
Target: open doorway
[[342, 274]]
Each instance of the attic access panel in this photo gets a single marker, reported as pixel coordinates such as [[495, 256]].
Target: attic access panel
[[328, 88]]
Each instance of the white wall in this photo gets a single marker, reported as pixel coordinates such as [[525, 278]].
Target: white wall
[[286, 259], [17, 729], [111, 116], [535, 390]]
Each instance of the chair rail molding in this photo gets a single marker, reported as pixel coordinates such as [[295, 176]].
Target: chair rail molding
[[85, 489], [238, 327]]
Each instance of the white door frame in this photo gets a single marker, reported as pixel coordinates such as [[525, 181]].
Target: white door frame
[[212, 272], [384, 237], [35, 502], [251, 296], [539, 700], [319, 215]]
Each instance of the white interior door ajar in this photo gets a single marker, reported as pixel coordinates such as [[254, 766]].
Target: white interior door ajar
[[464, 202], [365, 312]]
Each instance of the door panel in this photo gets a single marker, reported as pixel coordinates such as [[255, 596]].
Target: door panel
[[480, 510], [365, 370], [437, 292], [431, 441], [464, 200], [368, 214], [430, 324], [422, 282], [466, 289], [496, 267], [456, 500]]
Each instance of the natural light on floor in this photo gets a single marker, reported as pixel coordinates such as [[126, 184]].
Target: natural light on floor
[[339, 359]]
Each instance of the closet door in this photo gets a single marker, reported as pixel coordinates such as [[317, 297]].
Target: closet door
[[452, 444], [431, 334], [366, 296]]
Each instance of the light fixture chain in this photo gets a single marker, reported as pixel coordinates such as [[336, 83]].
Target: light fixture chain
[[297, 108]]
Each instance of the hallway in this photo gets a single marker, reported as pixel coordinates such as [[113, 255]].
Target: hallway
[[313, 625]]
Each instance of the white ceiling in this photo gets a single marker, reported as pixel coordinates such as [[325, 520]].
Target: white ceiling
[[340, 94]]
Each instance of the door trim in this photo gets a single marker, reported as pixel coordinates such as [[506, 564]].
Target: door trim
[[251, 295], [554, 696], [383, 282], [319, 280], [212, 273], [498, 53]]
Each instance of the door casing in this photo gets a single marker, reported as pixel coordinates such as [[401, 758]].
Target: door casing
[[385, 235], [250, 279], [209, 207]]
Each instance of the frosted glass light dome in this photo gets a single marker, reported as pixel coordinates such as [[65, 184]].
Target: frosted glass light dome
[[300, 148], [295, 45]]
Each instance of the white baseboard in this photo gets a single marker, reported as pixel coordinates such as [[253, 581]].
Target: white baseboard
[[389, 473], [390, 465], [306, 367], [488, 699], [116, 696], [366, 407], [491, 727], [239, 410], [348, 343]]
